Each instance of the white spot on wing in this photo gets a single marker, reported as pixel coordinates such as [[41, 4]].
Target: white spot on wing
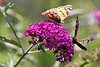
[[70, 8], [65, 14], [68, 11]]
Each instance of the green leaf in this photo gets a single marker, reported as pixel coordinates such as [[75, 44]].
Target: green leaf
[[74, 13], [8, 6], [11, 62], [5, 9], [2, 65], [9, 41], [8, 63]]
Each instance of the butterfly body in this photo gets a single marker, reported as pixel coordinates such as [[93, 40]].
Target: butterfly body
[[58, 14], [75, 41]]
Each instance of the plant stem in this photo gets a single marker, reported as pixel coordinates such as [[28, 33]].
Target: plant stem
[[15, 34], [20, 59], [36, 51], [24, 55]]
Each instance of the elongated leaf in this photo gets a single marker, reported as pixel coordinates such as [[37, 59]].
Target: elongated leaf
[[5, 9], [9, 41], [8, 6], [10, 62], [74, 13]]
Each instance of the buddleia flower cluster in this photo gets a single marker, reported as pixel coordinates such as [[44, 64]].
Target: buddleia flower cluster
[[52, 36]]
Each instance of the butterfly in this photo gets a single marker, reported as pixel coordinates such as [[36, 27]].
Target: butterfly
[[75, 39], [58, 14]]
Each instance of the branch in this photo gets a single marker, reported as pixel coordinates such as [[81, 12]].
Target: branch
[[24, 55], [14, 33], [36, 51]]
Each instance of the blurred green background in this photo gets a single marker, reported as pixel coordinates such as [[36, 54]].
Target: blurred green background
[[25, 12]]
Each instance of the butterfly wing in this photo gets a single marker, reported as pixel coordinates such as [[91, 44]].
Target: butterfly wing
[[52, 14], [58, 14], [77, 26], [63, 11], [75, 39]]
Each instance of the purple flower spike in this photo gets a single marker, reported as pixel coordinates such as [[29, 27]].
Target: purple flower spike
[[53, 36]]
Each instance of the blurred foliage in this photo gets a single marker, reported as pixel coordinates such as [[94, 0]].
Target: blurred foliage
[[9, 41], [87, 59], [29, 11]]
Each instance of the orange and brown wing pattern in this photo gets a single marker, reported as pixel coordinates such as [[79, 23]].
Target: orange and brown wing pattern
[[63, 11], [52, 14], [58, 14]]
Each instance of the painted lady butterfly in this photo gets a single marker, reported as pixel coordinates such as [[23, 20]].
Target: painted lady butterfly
[[58, 14]]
